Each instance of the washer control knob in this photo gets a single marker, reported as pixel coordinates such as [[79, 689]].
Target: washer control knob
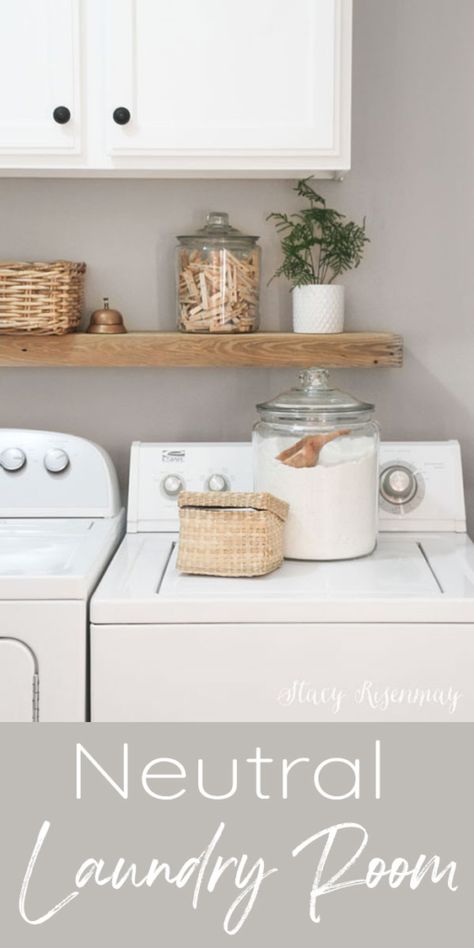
[[217, 482], [398, 485], [172, 485], [56, 460], [12, 459]]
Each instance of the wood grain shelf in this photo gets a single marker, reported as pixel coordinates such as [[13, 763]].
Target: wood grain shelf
[[175, 349]]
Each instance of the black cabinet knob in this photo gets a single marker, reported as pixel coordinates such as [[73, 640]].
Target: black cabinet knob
[[121, 115], [61, 115]]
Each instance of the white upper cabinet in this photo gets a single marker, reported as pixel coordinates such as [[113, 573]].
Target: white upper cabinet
[[39, 80], [190, 87]]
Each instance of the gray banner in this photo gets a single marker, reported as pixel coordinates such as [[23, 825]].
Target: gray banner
[[323, 834]]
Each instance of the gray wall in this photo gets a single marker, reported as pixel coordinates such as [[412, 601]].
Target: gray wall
[[413, 165]]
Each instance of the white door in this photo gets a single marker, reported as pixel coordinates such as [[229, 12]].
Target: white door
[[262, 86], [18, 682], [300, 672], [39, 78]]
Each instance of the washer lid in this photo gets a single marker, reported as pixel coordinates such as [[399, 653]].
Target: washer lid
[[397, 583], [393, 570], [53, 559]]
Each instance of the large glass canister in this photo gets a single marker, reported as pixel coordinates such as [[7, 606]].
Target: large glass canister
[[218, 276], [317, 448]]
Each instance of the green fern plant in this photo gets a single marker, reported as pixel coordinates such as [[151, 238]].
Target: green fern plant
[[318, 243]]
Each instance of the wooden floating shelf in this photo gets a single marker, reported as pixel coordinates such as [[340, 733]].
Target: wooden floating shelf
[[176, 349]]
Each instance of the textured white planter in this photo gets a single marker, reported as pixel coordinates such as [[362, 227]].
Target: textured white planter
[[318, 308]]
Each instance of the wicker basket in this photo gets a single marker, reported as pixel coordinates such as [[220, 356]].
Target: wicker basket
[[230, 534], [41, 297]]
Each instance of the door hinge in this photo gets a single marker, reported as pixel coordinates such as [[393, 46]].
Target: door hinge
[[36, 699]]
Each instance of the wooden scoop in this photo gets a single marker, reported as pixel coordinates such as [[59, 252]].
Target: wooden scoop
[[305, 453]]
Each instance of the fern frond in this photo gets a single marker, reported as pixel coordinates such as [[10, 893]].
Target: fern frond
[[317, 242]]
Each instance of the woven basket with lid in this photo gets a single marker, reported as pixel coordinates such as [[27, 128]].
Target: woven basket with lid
[[230, 533], [41, 297]]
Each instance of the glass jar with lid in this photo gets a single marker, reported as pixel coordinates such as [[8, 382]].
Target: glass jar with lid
[[218, 277], [317, 448]]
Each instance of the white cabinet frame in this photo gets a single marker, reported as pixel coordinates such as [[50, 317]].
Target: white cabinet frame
[[104, 76]]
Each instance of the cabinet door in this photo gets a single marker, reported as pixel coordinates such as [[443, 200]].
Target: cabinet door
[[39, 72], [262, 86]]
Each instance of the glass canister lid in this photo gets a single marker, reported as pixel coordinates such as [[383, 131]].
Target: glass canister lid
[[314, 399], [218, 230]]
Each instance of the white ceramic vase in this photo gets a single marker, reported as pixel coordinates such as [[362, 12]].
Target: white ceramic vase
[[318, 308]]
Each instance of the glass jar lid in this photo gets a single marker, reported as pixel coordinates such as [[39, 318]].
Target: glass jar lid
[[218, 230], [314, 399]]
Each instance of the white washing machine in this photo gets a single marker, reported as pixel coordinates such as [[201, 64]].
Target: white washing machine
[[60, 523], [389, 637]]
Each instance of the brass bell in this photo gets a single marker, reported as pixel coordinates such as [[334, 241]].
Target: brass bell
[[106, 320]]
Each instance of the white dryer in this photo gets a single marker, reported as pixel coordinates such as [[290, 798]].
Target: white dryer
[[389, 637], [60, 523]]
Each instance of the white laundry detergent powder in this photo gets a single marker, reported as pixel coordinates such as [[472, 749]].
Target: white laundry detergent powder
[[333, 506]]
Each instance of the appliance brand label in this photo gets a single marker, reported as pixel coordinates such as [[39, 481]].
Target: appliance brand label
[[178, 456]]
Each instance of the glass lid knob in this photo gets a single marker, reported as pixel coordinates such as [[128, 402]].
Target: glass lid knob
[[314, 378], [217, 219]]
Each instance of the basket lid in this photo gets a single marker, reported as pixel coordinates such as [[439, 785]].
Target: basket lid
[[234, 500]]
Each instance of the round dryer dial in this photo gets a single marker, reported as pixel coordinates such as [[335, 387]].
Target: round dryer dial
[[401, 487], [56, 460], [12, 459], [217, 483], [172, 485]]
